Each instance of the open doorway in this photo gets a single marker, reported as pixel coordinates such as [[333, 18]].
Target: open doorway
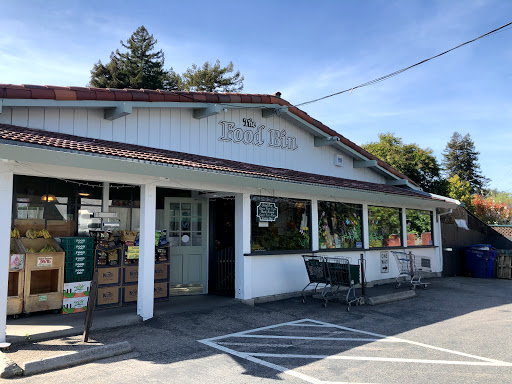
[[221, 277]]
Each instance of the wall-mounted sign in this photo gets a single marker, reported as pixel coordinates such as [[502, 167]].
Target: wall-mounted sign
[[45, 261], [266, 211], [384, 262], [252, 134]]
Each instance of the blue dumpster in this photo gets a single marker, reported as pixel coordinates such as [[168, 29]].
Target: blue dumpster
[[480, 260]]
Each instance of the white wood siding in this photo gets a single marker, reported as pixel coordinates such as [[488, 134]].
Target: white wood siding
[[175, 129]]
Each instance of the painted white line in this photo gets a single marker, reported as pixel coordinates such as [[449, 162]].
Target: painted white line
[[320, 338], [254, 344], [418, 344], [388, 359]]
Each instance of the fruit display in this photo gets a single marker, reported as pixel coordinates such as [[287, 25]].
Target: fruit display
[[47, 249], [44, 234], [31, 250], [35, 234], [15, 234]]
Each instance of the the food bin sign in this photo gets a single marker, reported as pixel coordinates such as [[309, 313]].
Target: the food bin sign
[[45, 261], [266, 211]]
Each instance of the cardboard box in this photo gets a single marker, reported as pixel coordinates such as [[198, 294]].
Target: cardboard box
[[161, 271], [161, 290], [130, 293], [131, 274], [109, 276], [109, 296], [74, 305], [80, 289]]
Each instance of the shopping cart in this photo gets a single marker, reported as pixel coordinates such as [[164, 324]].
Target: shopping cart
[[412, 266], [341, 274], [315, 267]]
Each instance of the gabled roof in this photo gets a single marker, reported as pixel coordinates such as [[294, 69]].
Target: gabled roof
[[10, 91], [15, 135]]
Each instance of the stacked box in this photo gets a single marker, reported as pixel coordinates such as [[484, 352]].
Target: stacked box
[[79, 262], [75, 297]]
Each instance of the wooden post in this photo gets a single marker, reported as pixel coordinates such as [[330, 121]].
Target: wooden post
[[93, 294]]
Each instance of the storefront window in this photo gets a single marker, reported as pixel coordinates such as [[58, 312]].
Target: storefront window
[[280, 224], [419, 227], [339, 225], [384, 225]]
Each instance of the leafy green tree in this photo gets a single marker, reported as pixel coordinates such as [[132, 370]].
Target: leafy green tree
[[419, 164], [141, 66], [461, 158], [461, 190], [212, 78]]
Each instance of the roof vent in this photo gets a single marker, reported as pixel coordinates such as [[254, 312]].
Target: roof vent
[[277, 94]]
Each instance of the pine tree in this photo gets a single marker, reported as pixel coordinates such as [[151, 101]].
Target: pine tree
[[461, 158], [139, 67], [212, 78]]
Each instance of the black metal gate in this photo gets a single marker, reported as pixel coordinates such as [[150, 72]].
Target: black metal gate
[[224, 269], [221, 279]]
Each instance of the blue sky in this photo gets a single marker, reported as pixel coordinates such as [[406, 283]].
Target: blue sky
[[305, 50]]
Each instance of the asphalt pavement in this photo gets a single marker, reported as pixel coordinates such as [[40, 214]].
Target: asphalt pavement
[[457, 331]]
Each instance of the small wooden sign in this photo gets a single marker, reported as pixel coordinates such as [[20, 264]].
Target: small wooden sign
[[44, 261]]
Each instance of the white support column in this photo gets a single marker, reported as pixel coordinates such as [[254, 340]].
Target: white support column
[[366, 227], [145, 297], [6, 180], [314, 225], [437, 239], [243, 278], [106, 197], [404, 227]]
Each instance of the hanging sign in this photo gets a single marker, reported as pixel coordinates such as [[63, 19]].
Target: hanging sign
[[384, 262], [45, 261], [266, 211]]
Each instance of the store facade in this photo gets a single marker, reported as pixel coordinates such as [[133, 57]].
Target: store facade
[[243, 185]]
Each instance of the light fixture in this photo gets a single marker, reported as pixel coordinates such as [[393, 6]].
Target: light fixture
[[84, 192], [49, 198]]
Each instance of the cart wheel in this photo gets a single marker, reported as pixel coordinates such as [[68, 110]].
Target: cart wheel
[[348, 308], [324, 304], [303, 300], [362, 301], [425, 286], [397, 285], [56, 311], [16, 317]]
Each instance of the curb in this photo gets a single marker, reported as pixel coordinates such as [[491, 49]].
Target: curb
[[390, 297], [8, 368], [71, 360]]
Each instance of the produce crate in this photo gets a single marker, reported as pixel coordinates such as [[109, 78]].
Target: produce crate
[[73, 275], [71, 241], [80, 259], [78, 249], [78, 264]]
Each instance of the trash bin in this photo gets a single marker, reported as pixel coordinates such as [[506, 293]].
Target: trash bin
[[480, 260]]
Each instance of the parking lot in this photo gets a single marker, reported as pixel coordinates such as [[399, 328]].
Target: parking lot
[[457, 331]]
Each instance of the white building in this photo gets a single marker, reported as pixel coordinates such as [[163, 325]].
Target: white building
[[204, 163]]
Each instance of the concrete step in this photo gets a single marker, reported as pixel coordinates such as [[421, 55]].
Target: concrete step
[[390, 297]]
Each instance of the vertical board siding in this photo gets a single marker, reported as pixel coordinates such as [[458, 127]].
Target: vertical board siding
[[176, 129]]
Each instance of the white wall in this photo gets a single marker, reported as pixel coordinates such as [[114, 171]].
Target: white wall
[[175, 129]]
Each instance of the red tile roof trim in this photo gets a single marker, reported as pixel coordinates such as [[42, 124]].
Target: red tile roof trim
[[26, 91], [16, 135]]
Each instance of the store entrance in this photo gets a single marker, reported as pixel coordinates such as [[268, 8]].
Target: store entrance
[[221, 280]]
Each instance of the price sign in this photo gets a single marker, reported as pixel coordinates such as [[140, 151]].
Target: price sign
[[45, 261], [266, 211]]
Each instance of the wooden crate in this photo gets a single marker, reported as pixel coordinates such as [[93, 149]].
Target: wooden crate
[[15, 292], [44, 276], [504, 272], [504, 260]]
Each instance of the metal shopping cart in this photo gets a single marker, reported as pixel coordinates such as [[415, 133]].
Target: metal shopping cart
[[315, 267], [412, 266], [340, 273]]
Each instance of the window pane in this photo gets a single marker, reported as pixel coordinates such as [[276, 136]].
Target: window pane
[[63, 192], [30, 189], [419, 227], [339, 225], [197, 209], [174, 239], [289, 231], [174, 224], [185, 239], [196, 224], [174, 209], [186, 209], [197, 239], [384, 225]]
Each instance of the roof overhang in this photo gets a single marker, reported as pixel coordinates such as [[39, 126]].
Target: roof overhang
[[35, 154]]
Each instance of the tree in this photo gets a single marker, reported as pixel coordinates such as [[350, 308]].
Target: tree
[[490, 211], [212, 78], [461, 158], [140, 67], [461, 190], [414, 162]]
